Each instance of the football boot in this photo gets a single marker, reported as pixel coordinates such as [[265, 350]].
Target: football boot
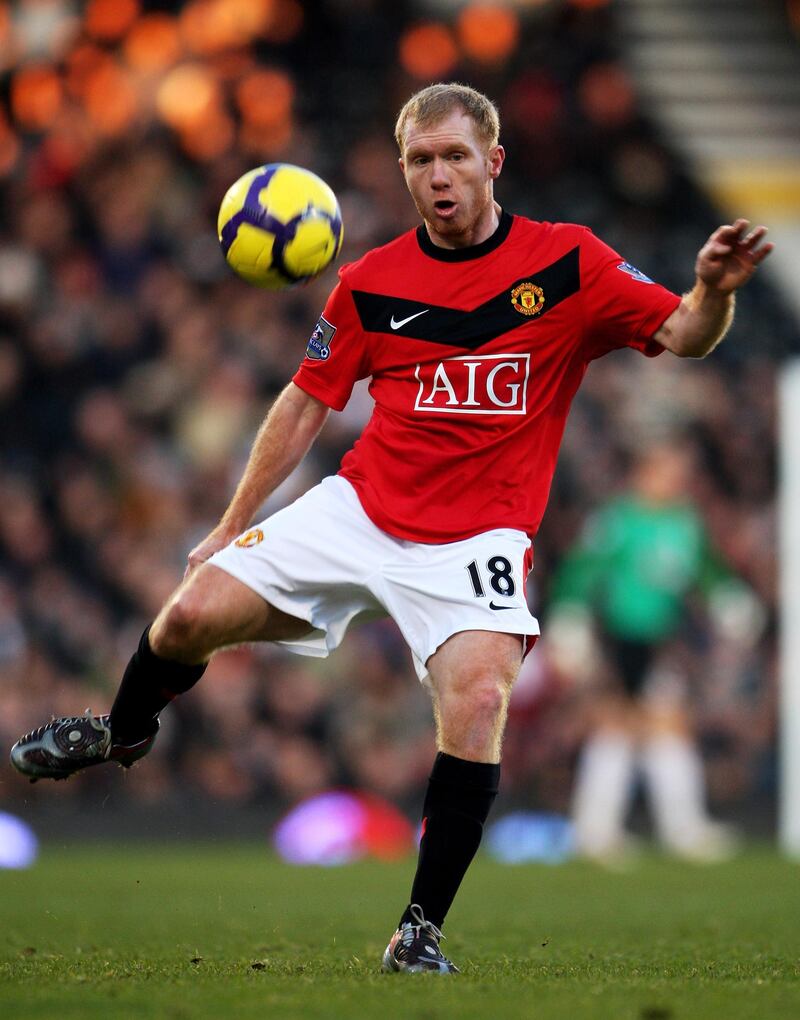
[[414, 948], [67, 745]]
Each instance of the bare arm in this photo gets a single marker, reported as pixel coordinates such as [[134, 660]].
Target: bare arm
[[285, 437], [725, 262]]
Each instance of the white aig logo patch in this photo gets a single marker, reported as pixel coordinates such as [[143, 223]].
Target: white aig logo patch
[[319, 343], [474, 384]]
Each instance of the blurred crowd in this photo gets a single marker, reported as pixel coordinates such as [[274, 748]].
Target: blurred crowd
[[134, 370]]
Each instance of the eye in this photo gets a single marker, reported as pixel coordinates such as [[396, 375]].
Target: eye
[[420, 160], [456, 157]]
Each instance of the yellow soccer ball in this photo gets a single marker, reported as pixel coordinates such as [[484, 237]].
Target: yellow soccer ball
[[279, 225]]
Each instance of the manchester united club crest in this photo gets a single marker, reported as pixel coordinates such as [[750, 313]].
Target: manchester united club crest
[[250, 538], [527, 299]]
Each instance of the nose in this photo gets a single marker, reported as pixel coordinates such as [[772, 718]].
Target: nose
[[440, 179]]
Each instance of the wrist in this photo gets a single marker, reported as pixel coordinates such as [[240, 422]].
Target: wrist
[[232, 525], [704, 292]]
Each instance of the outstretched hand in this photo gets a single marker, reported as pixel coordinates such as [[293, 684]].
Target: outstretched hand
[[731, 255]]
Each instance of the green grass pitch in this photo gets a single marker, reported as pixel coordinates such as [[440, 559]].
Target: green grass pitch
[[227, 931]]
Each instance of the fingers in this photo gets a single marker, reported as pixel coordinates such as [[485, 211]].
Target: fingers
[[191, 565], [195, 558], [723, 239], [715, 249], [752, 242], [751, 239], [730, 232], [738, 234]]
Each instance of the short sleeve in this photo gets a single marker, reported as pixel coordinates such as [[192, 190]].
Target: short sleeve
[[622, 306], [335, 356]]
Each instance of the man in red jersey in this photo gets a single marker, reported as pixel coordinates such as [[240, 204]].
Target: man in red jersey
[[475, 329]]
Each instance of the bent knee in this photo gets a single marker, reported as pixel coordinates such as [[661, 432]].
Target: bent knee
[[179, 631]]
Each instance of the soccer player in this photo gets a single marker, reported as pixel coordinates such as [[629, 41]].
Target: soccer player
[[476, 329], [628, 579]]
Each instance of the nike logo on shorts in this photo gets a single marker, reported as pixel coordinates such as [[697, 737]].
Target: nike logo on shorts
[[493, 606], [396, 324]]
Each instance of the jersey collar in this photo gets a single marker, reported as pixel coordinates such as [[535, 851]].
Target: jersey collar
[[474, 251]]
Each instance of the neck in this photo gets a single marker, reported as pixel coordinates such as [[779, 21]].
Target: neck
[[483, 228]]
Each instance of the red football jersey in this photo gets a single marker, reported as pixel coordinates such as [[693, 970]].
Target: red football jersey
[[475, 355]]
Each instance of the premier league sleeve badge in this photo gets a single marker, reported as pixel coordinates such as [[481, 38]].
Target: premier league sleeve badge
[[319, 343]]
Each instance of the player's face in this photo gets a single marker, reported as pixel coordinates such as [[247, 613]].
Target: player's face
[[450, 173]]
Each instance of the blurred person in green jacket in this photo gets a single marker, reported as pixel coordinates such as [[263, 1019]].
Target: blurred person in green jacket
[[619, 599]]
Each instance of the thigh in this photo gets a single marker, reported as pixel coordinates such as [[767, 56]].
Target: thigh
[[213, 609]]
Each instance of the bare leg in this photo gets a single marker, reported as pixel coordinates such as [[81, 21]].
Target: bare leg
[[210, 610], [472, 674]]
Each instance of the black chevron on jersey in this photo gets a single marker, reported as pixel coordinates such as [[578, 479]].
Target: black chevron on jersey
[[457, 327]]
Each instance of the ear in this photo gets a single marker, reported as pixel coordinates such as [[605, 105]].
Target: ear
[[497, 155], [402, 164]]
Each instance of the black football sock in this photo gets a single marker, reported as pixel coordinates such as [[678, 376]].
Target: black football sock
[[459, 797], [148, 685]]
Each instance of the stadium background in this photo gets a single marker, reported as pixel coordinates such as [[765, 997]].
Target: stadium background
[[134, 369]]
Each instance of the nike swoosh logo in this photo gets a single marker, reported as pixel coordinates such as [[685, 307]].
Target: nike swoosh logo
[[493, 606], [396, 324]]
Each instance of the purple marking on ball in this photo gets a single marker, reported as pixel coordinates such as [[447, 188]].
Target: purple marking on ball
[[251, 211]]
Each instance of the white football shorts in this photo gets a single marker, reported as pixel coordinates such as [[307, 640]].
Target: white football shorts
[[323, 560]]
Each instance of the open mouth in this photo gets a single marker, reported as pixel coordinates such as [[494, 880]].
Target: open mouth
[[444, 207]]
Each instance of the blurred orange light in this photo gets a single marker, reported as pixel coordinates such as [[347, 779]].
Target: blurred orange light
[[198, 28], [232, 65], [9, 147], [211, 26], [253, 16], [488, 33], [186, 96], [606, 95], [428, 50], [210, 138], [36, 95], [285, 21], [111, 100], [110, 19], [81, 63], [153, 44], [6, 55], [265, 97]]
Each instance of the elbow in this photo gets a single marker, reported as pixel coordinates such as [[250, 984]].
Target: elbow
[[695, 352], [696, 347]]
